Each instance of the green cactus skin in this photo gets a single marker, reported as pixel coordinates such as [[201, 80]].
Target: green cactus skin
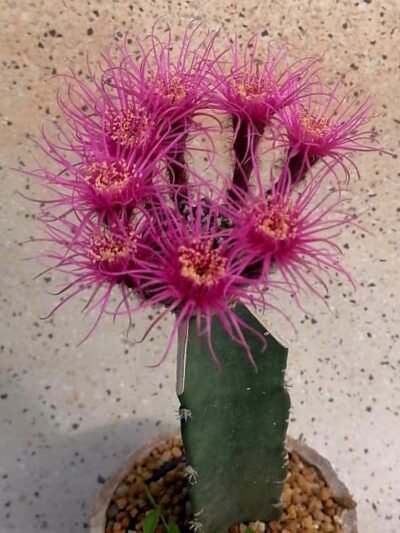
[[233, 425]]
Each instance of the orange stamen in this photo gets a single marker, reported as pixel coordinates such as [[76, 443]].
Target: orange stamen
[[274, 221], [251, 86], [201, 264], [174, 90], [108, 177], [128, 127], [110, 248], [314, 128]]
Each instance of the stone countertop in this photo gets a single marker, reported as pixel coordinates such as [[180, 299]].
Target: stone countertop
[[70, 415]]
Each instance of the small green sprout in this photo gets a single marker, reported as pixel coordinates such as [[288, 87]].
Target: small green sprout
[[153, 518]]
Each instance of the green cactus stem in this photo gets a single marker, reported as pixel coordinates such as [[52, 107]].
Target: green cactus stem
[[233, 426]]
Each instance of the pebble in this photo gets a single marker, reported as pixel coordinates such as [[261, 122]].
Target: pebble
[[122, 490], [121, 502], [176, 452], [112, 511], [308, 506]]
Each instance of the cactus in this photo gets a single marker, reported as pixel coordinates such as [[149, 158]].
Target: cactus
[[135, 225], [233, 426]]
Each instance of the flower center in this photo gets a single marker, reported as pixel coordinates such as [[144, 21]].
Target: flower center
[[174, 89], [201, 264], [128, 127], [107, 247], [251, 86], [274, 221], [314, 128], [108, 177]]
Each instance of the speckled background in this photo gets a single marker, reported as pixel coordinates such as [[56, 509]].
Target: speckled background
[[70, 415]]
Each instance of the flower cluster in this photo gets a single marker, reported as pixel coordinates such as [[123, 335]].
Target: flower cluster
[[130, 214]]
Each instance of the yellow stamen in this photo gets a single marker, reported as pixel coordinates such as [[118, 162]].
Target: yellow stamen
[[128, 127], [313, 127], [110, 248], [108, 177], [274, 221], [201, 264], [174, 90], [251, 86]]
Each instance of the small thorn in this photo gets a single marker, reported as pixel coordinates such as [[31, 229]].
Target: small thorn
[[277, 505], [191, 474], [195, 526], [184, 414]]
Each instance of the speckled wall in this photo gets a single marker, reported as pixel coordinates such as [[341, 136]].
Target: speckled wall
[[70, 415]]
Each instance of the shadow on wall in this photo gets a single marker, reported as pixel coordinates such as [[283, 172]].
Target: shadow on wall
[[57, 484]]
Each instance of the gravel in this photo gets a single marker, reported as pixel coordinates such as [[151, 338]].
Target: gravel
[[308, 506]]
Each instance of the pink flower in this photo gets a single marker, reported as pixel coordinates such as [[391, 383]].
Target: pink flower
[[97, 259], [101, 186], [324, 127], [193, 273], [258, 84], [171, 77], [293, 233], [140, 111], [106, 116], [173, 82], [253, 91]]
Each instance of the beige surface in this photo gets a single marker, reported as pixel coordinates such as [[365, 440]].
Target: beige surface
[[70, 415]]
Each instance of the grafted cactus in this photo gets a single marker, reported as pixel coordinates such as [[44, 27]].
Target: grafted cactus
[[136, 223], [234, 426]]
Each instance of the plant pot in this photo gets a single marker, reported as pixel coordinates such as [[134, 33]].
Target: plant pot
[[309, 456]]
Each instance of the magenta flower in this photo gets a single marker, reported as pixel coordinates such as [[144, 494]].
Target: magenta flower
[[194, 273], [293, 233], [171, 77], [173, 81], [252, 92], [322, 126], [258, 84], [140, 112], [101, 186], [105, 116], [115, 150], [97, 260]]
